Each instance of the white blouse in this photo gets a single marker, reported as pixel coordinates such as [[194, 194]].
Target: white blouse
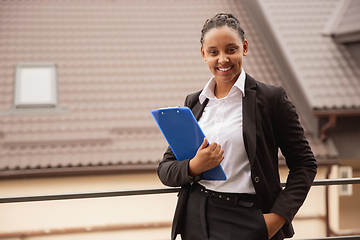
[[222, 122]]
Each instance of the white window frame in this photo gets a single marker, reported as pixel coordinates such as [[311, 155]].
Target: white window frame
[[345, 172], [20, 98]]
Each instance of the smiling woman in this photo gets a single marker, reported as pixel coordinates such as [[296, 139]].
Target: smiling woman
[[245, 123]]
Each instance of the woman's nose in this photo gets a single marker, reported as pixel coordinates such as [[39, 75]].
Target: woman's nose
[[223, 58]]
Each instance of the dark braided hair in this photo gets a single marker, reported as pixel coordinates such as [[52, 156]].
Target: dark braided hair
[[219, 20]]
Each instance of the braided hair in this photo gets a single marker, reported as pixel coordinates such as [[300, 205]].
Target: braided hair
[[219, 20]]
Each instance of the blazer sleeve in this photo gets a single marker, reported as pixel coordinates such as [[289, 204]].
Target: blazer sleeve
[[172, 172], [300, 160]]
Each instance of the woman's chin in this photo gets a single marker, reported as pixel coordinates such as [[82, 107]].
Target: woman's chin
[[225, 79]]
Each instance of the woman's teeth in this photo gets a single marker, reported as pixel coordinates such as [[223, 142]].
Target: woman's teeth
[[224, 69]]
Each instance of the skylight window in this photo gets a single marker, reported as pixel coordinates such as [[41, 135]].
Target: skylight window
[[35, 86]]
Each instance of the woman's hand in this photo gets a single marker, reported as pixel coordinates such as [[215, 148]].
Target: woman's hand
[[273, 223], [207, 157]]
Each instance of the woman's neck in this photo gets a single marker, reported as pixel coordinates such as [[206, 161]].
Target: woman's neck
[[222, 90]]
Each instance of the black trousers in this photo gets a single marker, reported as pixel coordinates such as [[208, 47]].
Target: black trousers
[[220, 216]]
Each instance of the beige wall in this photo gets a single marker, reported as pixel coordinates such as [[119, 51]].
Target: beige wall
[[148, 234], [90, 213], [350, 207]]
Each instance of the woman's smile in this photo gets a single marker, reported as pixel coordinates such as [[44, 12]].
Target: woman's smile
[[222, 69]]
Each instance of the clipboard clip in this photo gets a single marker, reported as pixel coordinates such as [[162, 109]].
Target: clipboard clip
[[168, 107]]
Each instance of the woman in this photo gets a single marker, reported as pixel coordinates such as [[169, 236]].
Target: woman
[[245, 122]]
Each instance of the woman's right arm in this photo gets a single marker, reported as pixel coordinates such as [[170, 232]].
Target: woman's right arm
[[172, 172], [177, 173]]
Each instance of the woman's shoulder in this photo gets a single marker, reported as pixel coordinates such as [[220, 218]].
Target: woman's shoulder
[[194, 95], [192, 98], [264, 88]]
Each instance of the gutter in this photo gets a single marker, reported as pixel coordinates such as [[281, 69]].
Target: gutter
[[78, 171], [332, 116], [329, 125]]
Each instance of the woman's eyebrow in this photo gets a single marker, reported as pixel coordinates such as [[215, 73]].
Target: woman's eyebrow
[[231, 44]]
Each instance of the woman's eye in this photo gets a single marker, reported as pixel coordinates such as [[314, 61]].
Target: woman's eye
[[212, 52], [232, 50]]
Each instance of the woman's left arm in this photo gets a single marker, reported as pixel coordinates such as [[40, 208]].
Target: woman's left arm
[[300, 160]]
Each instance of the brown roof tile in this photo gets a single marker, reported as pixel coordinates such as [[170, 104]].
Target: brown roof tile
[[326, 72], [345, 20], [116, 60]]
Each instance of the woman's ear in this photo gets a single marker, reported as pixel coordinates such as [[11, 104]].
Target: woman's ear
[[245, 47], [203, 53]]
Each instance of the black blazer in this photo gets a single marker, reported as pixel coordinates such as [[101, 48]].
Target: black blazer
[[270, 122]]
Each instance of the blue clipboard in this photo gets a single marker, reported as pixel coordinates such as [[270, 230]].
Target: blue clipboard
[[184, 136]]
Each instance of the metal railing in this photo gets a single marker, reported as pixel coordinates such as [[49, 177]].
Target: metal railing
[[68, 196], [84, 195]]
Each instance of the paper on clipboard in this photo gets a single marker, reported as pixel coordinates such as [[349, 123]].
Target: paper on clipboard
[[184, 136]]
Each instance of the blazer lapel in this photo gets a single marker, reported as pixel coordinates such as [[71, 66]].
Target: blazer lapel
[[249, 118], [249, 132]]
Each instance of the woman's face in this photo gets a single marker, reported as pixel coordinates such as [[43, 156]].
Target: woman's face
[[223, 51]]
